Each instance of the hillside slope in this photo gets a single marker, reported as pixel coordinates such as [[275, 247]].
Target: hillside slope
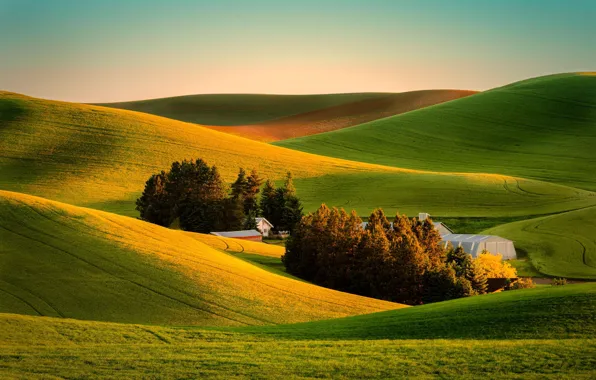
[[544, 313], [100, 158], [342, 116], [536, 333], [542, 128], [558, 245], [65, 261], [237, 109]]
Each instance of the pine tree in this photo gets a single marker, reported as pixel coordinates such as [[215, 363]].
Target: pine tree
[[267, 204], [251, 204], [155, 205], [239, 186], [477, 277], [288, 186]]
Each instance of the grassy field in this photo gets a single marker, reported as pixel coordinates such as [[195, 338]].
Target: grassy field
[[342, 116], [100, 158], [557, 245], [536, 333], [542, 128], [65, 261], [238, 109]]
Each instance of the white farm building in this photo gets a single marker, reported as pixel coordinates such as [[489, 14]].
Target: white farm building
[[475, 244]]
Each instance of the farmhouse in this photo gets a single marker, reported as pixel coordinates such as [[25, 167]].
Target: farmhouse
[[264, 226], [252, 235]]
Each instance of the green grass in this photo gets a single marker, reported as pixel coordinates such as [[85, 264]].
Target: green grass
[[449, 196], [65, 261], [237, 109], [99, 157], [535, 333], [557, 245], [524, 266], [546, 313], [543, 128]]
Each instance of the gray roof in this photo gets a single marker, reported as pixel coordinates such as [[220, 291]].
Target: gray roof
[[440, 225], [258, 220], [471, 238], [236, 234]]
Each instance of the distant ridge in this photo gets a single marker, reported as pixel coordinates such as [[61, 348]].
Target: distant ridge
[[237, 109], [343, 115], [542, 128]]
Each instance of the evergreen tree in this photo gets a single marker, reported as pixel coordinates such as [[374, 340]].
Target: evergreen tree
[[251, 204], [267, 204], [155, 205], [288, 186], [477, 277], [239, 187]]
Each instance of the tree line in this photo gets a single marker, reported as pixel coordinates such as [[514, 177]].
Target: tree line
[[402, 262], [194, 193]]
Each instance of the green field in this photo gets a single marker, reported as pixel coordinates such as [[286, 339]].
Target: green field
[[232, 109], [562, 245], [65, 261], [543, 128], [536, 333], [100, 158]]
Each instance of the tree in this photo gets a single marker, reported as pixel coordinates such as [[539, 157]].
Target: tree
[[268, 203], [494, 266], [251, 204], [403, 263], [239, 186], [191, 191], [477, 277], [154, 205]]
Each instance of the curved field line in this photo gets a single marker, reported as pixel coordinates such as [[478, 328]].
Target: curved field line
[[128, 280], [22, 300]]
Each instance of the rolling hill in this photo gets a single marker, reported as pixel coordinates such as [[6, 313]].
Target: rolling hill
[[558, 245], [341, 116], [238, 109], [65, 261], [542, 128], [535, 333], [100, 158]]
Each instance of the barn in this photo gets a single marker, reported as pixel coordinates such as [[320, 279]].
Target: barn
[[475, 244], [264, 226], [252, 235]]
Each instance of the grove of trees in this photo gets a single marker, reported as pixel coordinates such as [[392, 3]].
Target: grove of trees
[[404, 262], [194, 193]]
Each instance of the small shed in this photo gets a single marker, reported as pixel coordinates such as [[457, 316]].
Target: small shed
[[264, 226], [252, 235], [475, 244]]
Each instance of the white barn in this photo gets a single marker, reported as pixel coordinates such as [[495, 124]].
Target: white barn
[[475, 244], [264, 226]]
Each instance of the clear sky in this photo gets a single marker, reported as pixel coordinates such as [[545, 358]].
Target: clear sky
[[113, 50]]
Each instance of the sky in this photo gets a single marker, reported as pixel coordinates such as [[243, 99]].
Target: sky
[[118, 50]]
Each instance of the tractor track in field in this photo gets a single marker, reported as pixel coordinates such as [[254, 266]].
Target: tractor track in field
[[22, 300], [132, 281]]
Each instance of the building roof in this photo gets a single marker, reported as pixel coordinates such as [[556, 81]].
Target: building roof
[[259, 220], [237, 234], [438, 226], [471, 238]]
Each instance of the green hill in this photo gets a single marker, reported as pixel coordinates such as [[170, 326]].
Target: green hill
[[558, 245], [537, 333], [278, 117], [100, 158], [542, 128], [540, 313], [237, 109], [65, 261]]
